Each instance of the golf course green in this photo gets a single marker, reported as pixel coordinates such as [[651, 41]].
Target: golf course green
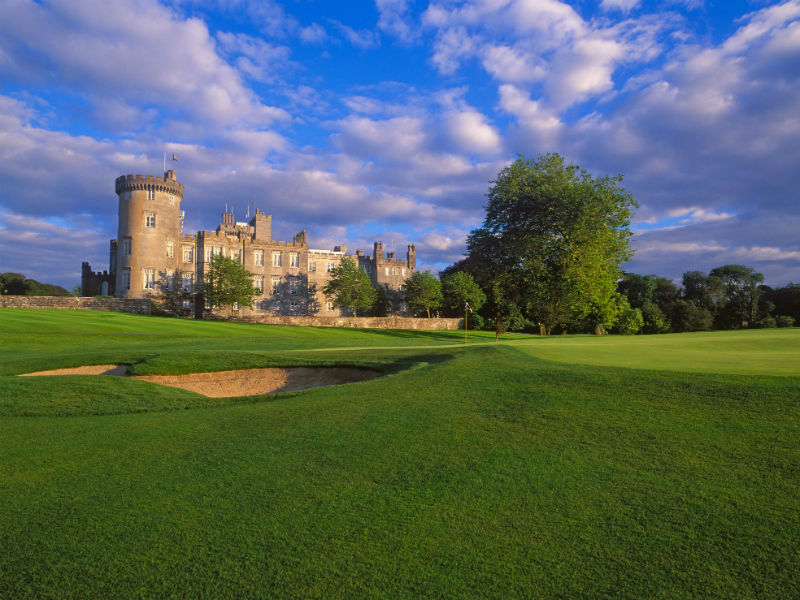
[[664, 466]]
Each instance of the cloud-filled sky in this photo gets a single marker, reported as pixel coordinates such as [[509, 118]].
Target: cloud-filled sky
[[387, 120]]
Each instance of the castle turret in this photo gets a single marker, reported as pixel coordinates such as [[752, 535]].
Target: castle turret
[[411, 257], [262, 227], [149, 239]]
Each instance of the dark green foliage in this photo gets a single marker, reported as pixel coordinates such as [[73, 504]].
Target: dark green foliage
[[784, 321], [685, 316], [741, 294], [458, 288], [629, 320], [654, 319], [423, 292], [475, 321], [383, 302], [350, 287], [476, 471], [552, 243], [227, 282], [786, 300], [16, 284]]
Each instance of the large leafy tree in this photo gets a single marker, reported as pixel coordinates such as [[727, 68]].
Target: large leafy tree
[[227, 282], [552, 243], [458, 289], [741, 295], [423, 292], [350, 287]]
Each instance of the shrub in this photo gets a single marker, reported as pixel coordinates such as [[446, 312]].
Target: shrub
[[784, 321]]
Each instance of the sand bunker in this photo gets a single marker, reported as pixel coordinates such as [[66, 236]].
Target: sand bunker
[[245, 382]]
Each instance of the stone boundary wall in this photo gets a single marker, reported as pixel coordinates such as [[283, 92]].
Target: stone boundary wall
[[365, 322], [128, 305]]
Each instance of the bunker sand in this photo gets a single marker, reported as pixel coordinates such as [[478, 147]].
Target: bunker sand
[[244, 382]]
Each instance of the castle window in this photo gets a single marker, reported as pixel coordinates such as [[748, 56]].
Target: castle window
[[149, 219], [294, 305], [209, 253], [276, 285], [126, 246], [149, 279], [187, 280], [386, 270], [125, 284], [172, 198], [312, 265], [170, 280], [258, 283], [170, 248], [366, 267], [294, 259], [329, 306], [258, 258], [188, 254], [294, 284], [330, 267], [151, 194], [236, 255], [276, 259], [187, 303], [403, 272], [235, 306]]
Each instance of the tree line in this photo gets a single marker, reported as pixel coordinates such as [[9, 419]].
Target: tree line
[[548, 258], [16, 284]]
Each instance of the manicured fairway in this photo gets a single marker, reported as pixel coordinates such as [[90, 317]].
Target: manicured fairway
[[477, 471]]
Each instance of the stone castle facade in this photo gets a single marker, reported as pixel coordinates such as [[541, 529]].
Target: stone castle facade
[[152, 257]]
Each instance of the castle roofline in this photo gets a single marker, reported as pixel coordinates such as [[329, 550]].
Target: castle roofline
[[126, 183]]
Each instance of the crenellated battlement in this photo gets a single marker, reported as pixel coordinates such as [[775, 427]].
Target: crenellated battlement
[[128, 183]]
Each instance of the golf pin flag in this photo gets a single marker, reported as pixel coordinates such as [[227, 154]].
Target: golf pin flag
[[467, 306], [175, 158]]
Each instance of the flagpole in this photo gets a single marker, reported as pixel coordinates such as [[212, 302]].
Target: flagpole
[[165, 161]]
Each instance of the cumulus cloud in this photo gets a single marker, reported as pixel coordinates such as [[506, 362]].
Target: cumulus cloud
[[621, 5], [393, 18], [103, 47]]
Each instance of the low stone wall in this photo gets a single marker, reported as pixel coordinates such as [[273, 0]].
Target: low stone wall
[[127, 305], [365, 322]]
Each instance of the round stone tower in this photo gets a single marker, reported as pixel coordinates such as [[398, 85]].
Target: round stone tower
[[149, 250]]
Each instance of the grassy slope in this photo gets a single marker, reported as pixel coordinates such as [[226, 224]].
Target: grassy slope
[[755, 352], [479, 472]]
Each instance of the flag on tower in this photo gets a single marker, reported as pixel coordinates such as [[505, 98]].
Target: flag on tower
[[175, 158]]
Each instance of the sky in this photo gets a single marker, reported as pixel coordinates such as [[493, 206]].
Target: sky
[[362, 121]]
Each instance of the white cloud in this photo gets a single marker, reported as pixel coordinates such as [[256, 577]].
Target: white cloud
[[472, 133], [620, 5], [508, 64], [360, 38], [394, 19], [101, 47]]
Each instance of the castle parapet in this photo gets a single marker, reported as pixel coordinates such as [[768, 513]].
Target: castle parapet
[[127, 183]]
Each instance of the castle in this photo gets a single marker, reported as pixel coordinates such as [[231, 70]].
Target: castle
[[152, 257]]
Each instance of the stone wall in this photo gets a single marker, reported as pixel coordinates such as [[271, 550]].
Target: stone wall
[[128, 305], [366, 322]]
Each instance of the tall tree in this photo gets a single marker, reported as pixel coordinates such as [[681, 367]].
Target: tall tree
[[423, 292], [458, 289], [227, 282], [553, 240], [740, 285], [350, 287]]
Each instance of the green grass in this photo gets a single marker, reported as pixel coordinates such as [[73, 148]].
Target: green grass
[[478, 471]]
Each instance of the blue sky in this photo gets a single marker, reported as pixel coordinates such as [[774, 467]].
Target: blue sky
[[387, 120]]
